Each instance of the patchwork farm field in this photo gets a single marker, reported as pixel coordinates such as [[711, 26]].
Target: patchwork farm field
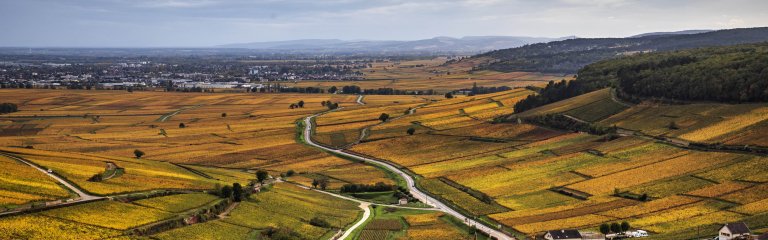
[[430, 74], [193, 143], [398, 223], [470, 152], [531, 178]]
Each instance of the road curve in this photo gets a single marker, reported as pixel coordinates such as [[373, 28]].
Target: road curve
[[364, 206], [417, 193], [360, 100], [83, 195]]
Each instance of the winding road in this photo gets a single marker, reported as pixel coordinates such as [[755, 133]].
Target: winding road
[[365, 206], [82, 196], [417, 193]]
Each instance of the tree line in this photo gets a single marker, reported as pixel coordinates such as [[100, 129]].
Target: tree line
[[355, 188], [8, 108]]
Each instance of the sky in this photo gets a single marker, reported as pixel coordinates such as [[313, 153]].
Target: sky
[[203, 23]]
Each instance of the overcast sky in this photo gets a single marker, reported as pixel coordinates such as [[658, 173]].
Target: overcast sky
[[200, 23]]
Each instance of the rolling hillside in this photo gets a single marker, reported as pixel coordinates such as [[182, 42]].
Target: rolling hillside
[[568, 56]]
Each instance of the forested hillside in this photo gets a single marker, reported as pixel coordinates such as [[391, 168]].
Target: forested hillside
[[724, 74], [569, 56]]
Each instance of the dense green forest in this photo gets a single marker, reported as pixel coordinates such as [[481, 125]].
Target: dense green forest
[[725, 74], [568, 56]]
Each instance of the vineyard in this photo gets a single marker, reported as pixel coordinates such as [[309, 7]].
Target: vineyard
[[540, 179], [393, 223], [470, 152]]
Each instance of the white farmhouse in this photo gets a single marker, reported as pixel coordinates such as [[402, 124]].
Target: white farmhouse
[[733, 231]]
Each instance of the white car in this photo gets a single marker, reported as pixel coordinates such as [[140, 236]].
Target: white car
[[637, 233]]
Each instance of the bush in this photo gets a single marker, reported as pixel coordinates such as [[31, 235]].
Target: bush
[[318, 222], [138, 153]]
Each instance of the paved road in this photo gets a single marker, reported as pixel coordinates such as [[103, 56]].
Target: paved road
[[365, 206], [360, 100], [417, 193], [83, 196], [170, 115]]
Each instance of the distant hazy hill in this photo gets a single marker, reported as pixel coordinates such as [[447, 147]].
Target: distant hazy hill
[[472, 44], [568, 56], [684, 32]]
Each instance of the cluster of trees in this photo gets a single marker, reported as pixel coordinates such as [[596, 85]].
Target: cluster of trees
[[404, 193], [262, 175], [568, 56], [606, 228], [235, 192], [8, 108], [351, 89], [299, 104], [321, 183], [484, 90], [355, 188], [330, 105], [726, 74], [556, 91]]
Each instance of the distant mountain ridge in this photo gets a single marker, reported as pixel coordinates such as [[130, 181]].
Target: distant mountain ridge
[[469, 44], [568, 56], [684, 32]]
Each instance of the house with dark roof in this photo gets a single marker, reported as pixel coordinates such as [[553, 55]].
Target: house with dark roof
[[734, 231], [566, 234]]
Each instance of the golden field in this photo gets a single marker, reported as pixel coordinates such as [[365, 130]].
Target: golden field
[[526, 177]]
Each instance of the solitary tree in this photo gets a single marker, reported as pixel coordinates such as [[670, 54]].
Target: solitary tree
[[384, 117], [261, 175], [604, 228], [624, 226], [323, 183], [223, 114], [449, 95], [411, 131], [237, 192], [138, 153], [615, 227], [301, 104], [181, 125], [315, 183], [290, 173], [323, 103]]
